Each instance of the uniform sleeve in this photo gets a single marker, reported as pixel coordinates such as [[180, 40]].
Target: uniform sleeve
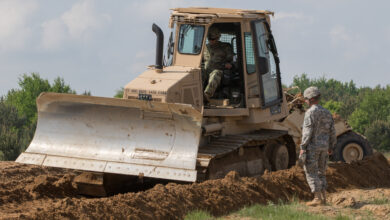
[[332, 137], [307, 130], [206, 54], [229, 53]]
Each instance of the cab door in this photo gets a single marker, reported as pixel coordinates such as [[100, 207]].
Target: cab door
[[267, 65]]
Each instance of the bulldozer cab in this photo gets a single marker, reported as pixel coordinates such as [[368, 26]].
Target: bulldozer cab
[[254, 79]]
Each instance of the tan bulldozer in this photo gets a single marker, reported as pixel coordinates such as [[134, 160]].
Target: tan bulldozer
[[162, 129]]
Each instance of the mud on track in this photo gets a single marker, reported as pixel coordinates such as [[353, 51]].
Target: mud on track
[[32, 192]]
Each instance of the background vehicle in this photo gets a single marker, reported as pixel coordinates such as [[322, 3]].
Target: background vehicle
[[161, 129], [350, 145]]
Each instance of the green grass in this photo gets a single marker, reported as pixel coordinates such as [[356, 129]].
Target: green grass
[[380, 201], [282, 211], [198, 215], [273, 212]]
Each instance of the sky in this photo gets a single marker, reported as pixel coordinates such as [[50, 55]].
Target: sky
[[100, 46]]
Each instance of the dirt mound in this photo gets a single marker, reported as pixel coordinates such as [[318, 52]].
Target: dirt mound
[[21, 183], [34, 192], [52, 186], [219, 197], [371, 172]]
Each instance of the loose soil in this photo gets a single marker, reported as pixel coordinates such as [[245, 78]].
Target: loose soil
[[33, 192], [357, 204]]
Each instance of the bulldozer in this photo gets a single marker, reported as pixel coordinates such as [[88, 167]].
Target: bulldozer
[[163, 129]]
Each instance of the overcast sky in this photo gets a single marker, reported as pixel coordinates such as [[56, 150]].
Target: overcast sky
[[99, 46]]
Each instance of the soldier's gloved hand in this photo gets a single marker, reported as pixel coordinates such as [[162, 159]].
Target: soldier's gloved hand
[[302, 158], [330, 152]]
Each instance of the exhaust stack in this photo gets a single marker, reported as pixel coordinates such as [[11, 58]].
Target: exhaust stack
[[159, 47]]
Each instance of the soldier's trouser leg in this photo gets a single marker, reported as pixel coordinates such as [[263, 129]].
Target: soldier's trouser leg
[[214, 81], [314, 178], [322, 165]]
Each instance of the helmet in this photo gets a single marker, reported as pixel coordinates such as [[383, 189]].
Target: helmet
[[214, 33], [311, 92]]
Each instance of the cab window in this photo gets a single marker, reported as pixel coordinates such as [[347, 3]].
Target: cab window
[[249, 54], [266, 64], [190, 39]]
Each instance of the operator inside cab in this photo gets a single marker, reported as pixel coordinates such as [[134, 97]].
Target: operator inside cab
[[217, 56]]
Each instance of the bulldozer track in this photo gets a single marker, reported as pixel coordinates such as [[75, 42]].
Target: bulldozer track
[[220, 147]]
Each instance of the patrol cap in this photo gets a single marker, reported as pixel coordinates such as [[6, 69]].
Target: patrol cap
[[311, 92], [214, 33]]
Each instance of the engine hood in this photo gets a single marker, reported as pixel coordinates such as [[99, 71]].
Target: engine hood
[[176, 84]]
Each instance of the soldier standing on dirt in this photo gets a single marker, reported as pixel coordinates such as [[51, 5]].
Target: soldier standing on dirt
[[318, 140], [217, 56]]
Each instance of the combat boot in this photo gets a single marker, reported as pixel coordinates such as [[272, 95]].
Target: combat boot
[[323, 197], [316, 201]]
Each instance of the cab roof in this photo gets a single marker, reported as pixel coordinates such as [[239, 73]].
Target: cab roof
[[221, 12], [198, 15]]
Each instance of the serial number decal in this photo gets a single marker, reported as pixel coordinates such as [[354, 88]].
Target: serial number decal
[[146, 97], [153, 92]]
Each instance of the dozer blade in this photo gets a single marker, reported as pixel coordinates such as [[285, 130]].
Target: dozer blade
[[119, 136]]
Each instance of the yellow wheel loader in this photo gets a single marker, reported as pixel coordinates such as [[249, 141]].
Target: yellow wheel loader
[[162, 129]]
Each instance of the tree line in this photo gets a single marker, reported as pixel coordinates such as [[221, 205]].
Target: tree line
[[366, 109]]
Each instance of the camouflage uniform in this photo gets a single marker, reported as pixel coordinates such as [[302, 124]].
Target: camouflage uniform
[[215, 56], [318, 135]]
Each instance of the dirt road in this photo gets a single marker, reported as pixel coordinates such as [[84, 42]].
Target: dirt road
[[32, 192]]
